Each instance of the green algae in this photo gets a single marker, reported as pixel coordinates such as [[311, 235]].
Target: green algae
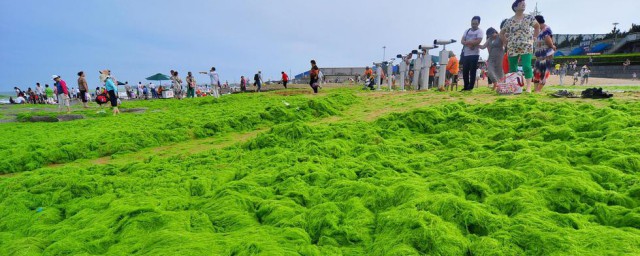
[[515, 177], [28, 146]]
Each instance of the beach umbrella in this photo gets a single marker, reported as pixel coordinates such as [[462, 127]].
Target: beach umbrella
[[158, 77]]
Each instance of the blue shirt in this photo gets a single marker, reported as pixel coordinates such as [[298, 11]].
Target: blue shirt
[[110, 86]]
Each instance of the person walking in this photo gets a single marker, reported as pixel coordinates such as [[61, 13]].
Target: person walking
[[471, 39], [519, 37], [496, 54], [191, 85], [285, 79], [314, 76], [176, 85], [545, 50], [257, 80], [215, 81], [63, 93], [84, 88], [112, 90]]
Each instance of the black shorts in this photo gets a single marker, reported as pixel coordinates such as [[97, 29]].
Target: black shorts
[[113, 98], [83, 96]]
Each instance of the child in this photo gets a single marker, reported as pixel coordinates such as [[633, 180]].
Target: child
[[634, 76], [575, 77]]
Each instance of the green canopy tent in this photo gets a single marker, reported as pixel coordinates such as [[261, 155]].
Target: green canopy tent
[[158, 77]]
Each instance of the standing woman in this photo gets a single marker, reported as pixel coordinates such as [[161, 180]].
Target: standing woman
[[176, 85], [496, 54], [84, 88], [191, 85], [519, 36], [544, 54], [112, 90], [314, 75], [243, 84]]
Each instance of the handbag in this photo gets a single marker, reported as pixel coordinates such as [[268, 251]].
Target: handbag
[[462, 51]]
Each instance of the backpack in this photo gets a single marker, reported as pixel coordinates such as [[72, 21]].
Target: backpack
[[510, 84], [256, 77]]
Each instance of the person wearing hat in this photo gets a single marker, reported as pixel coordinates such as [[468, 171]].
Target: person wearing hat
[[496, 55], [63, 93], [545, 49], [471, 40], [584, 74], [518, 34], [112, 90]]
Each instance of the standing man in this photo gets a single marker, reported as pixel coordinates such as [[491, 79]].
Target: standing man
[[84, 88], [191, 85], [154, 93], [215, 81], [285, 79], [471, 40], [63, 93]]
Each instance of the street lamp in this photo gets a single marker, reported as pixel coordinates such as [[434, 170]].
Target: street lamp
[[384, 51], [615, 33]]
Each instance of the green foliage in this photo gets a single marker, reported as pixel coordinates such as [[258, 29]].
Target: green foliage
[[608, 59], [514, 177]]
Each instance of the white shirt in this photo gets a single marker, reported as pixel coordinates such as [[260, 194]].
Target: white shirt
[[152, 86], [214, 78], [39, 90], [20, 100]]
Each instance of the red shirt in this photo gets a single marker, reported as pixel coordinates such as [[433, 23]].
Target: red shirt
[[285, 77]]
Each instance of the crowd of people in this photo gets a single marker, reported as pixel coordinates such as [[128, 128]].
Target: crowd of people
[[511, 49], [107, 93]]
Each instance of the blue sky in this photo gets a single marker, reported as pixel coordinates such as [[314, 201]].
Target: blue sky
[[138, 38]]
